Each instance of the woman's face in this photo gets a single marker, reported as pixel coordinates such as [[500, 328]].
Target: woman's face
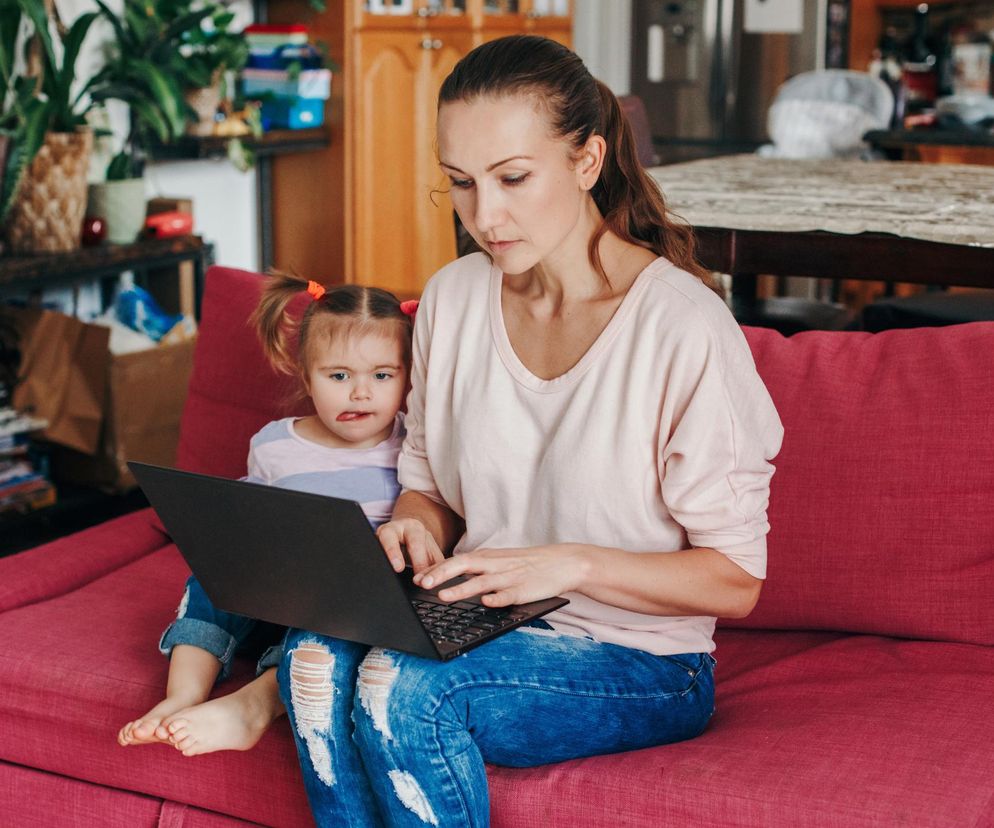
[[514, 184]]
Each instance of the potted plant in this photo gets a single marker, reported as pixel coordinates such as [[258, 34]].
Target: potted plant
[[162, 50], [43, 197]]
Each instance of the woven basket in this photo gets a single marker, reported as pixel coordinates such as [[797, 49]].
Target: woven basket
[[48, 210]]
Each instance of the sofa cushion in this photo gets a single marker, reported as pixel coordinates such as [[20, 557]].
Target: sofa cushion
[[77, 667], [233, 390], [882, 505], [34, 798], [811, 729], [58, 567]]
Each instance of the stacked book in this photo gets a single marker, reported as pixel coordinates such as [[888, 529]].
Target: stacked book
[[24, 483], [285, 74]]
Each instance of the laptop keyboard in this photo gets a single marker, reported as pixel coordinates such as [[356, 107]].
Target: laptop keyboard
[[463, 622]]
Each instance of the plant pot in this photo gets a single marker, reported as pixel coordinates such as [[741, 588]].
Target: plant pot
[[204, 102], [122, 206], [47, 213]]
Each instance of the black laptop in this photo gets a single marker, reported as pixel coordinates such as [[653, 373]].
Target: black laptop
[[313, 562]]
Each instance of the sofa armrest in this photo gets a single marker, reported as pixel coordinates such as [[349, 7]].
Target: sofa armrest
[[68, 563]]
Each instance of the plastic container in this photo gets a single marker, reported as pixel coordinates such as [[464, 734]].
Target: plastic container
[[310, 83], [284, 56], [292, 113]]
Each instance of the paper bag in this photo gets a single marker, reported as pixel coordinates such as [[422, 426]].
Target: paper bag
[[63, 376]]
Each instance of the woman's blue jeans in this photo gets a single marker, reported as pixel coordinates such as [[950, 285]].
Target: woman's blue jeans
[[387, 738]]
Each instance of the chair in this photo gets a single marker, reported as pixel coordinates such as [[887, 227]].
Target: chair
[[926, 310], [638, 119]]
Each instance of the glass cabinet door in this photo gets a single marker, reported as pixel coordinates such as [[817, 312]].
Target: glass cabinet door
[[416, 8]]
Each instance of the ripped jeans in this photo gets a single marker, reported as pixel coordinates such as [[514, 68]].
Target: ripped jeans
[[387, 738], [200, 624]]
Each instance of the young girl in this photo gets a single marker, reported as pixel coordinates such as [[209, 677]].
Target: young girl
[[353, 353]]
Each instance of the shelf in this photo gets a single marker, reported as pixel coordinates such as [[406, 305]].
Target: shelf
[[274, 142], [86, 263]]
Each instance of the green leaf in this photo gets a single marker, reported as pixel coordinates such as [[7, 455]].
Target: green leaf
[[165, 93], [65, 118], [151, 116], [120, 167], [36, 12], [186, 23], [115, 21], [22, 151], [10, 24]]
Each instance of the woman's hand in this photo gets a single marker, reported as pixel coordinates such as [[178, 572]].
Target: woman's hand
[[510, 576], [409, 534]]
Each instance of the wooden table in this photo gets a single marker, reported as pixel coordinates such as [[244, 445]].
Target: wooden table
[[889, 221]]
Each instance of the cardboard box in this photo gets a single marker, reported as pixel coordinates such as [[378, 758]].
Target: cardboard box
[[146, 391]]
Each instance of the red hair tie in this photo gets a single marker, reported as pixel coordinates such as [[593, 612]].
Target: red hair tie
[[409, 308], [316, 290]]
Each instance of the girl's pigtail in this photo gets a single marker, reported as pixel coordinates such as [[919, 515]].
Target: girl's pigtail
[[274, 325]]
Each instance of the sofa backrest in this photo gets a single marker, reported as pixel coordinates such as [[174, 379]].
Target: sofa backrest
[[233, 390], [882, 505]]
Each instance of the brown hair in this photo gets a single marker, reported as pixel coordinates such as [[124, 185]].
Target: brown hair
[[341, 311], [580, 106]]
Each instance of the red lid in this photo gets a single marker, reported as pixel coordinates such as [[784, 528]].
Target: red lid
[[269, 28]]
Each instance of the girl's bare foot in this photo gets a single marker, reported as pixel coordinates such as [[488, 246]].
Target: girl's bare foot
[[233, 722], [146, 729], [192, 672]]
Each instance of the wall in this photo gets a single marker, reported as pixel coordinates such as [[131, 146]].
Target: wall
[[601, 36]]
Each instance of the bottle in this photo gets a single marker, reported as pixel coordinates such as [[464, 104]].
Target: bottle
[[919, 71], [886, 65]]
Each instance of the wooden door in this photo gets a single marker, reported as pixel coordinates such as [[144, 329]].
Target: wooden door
[[385, 175], [434, 207]]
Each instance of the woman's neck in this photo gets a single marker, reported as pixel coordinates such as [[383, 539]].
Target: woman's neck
[[569, 276]]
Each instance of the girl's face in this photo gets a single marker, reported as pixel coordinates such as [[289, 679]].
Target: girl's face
[[515, 186], [357, 383]]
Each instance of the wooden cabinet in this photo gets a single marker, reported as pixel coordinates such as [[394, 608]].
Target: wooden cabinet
[[403, 222], [372, 207]]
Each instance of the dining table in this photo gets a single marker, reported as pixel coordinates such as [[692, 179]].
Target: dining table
[[890, 221]]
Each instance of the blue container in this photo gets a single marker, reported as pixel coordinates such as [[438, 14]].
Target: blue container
[[307, 57], [292, 113]]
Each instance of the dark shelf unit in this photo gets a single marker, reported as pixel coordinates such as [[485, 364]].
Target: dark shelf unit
[[77, 506], [274, 142], [90, 263]]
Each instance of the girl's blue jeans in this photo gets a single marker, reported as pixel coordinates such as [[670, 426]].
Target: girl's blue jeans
[[391, 739], [200, 624]]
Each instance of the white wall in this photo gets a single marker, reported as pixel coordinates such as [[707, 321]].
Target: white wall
[[602, 37], [224, 205]]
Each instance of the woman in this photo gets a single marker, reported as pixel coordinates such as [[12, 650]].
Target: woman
[[585, 420]]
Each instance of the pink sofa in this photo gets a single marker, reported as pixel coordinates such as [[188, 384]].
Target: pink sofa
[[859, 693]]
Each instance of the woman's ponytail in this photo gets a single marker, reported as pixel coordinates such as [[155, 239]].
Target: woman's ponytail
[[630, 199]]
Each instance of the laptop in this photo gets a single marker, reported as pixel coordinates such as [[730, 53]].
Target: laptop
[[310, 561]]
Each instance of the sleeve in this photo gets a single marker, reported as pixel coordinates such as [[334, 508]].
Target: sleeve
[[413, 469], [719, 436], [256, 472]]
